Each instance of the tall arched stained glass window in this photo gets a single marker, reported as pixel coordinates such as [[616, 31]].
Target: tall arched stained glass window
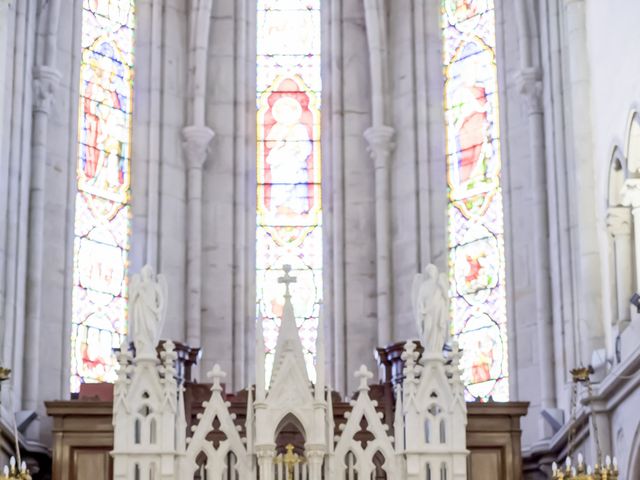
[[476, 245], [102, 214], [289, 204]]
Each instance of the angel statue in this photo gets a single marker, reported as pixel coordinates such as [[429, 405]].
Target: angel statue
[[430, 300], [147, 304]]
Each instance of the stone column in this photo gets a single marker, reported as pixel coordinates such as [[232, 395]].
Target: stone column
[[380, 140], [619, 227], [266, 454], [581, 182], [631, 198], [45, 82], [530, 84], [333, 185], [315, 456], [196, 144], [4, 28]]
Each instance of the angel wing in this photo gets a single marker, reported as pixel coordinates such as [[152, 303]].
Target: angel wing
[[443, 285], [163, 291], [134, 289], [134, 285]]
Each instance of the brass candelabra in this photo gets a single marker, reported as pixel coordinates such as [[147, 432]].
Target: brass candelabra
[[581, 471], [608, 471], [11, 471]]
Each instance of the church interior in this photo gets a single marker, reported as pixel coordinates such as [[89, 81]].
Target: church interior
[[445, 286]]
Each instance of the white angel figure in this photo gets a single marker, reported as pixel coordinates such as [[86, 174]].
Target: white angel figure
[[430, 300], [147, 307]]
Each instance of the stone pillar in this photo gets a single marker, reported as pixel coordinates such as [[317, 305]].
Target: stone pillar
[[4, 29], [334, 217], [530, 84], [196, 144], [631, 198], [45, 83], [315, 457], [580, 164], [619, 227], [266, 454], [380, 140]]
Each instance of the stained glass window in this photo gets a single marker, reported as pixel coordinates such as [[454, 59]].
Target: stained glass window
[[476, 243], [289, 204], [102, 214]]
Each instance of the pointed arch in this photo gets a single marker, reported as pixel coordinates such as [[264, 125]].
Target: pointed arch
[[202, 460], [634, 457], [427, 430], [444, 472], [379, 471], [137, 431], [633, 144], [350, 466], [443, 431], [290, 430], [618, 173], [153, 431], [153, 471]]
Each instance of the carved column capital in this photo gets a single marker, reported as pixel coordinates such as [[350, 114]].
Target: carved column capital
[[45, 83], [380, 140], [630, 193], [314, 454], [618, 221], [196, 141], [267, 452], [529, 81], [312, 450]]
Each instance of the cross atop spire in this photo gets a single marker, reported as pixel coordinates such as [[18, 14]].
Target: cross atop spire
[[364, 375], [287, 279], [216, 375]]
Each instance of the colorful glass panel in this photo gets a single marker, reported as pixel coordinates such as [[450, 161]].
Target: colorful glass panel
[[289, 203], [476, 233], [102, 214]]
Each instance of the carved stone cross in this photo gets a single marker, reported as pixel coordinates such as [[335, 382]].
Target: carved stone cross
[[363, 374], [216, 375], [287, 279]]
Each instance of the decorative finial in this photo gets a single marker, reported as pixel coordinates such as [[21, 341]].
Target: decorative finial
[[409, 347], [287, 279], [410, 356], [216, 375], [363, 374]]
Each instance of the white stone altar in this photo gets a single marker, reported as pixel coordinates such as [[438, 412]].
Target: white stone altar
[[151, 441]]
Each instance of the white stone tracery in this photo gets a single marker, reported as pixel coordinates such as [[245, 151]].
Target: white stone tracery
[[149, 421]]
